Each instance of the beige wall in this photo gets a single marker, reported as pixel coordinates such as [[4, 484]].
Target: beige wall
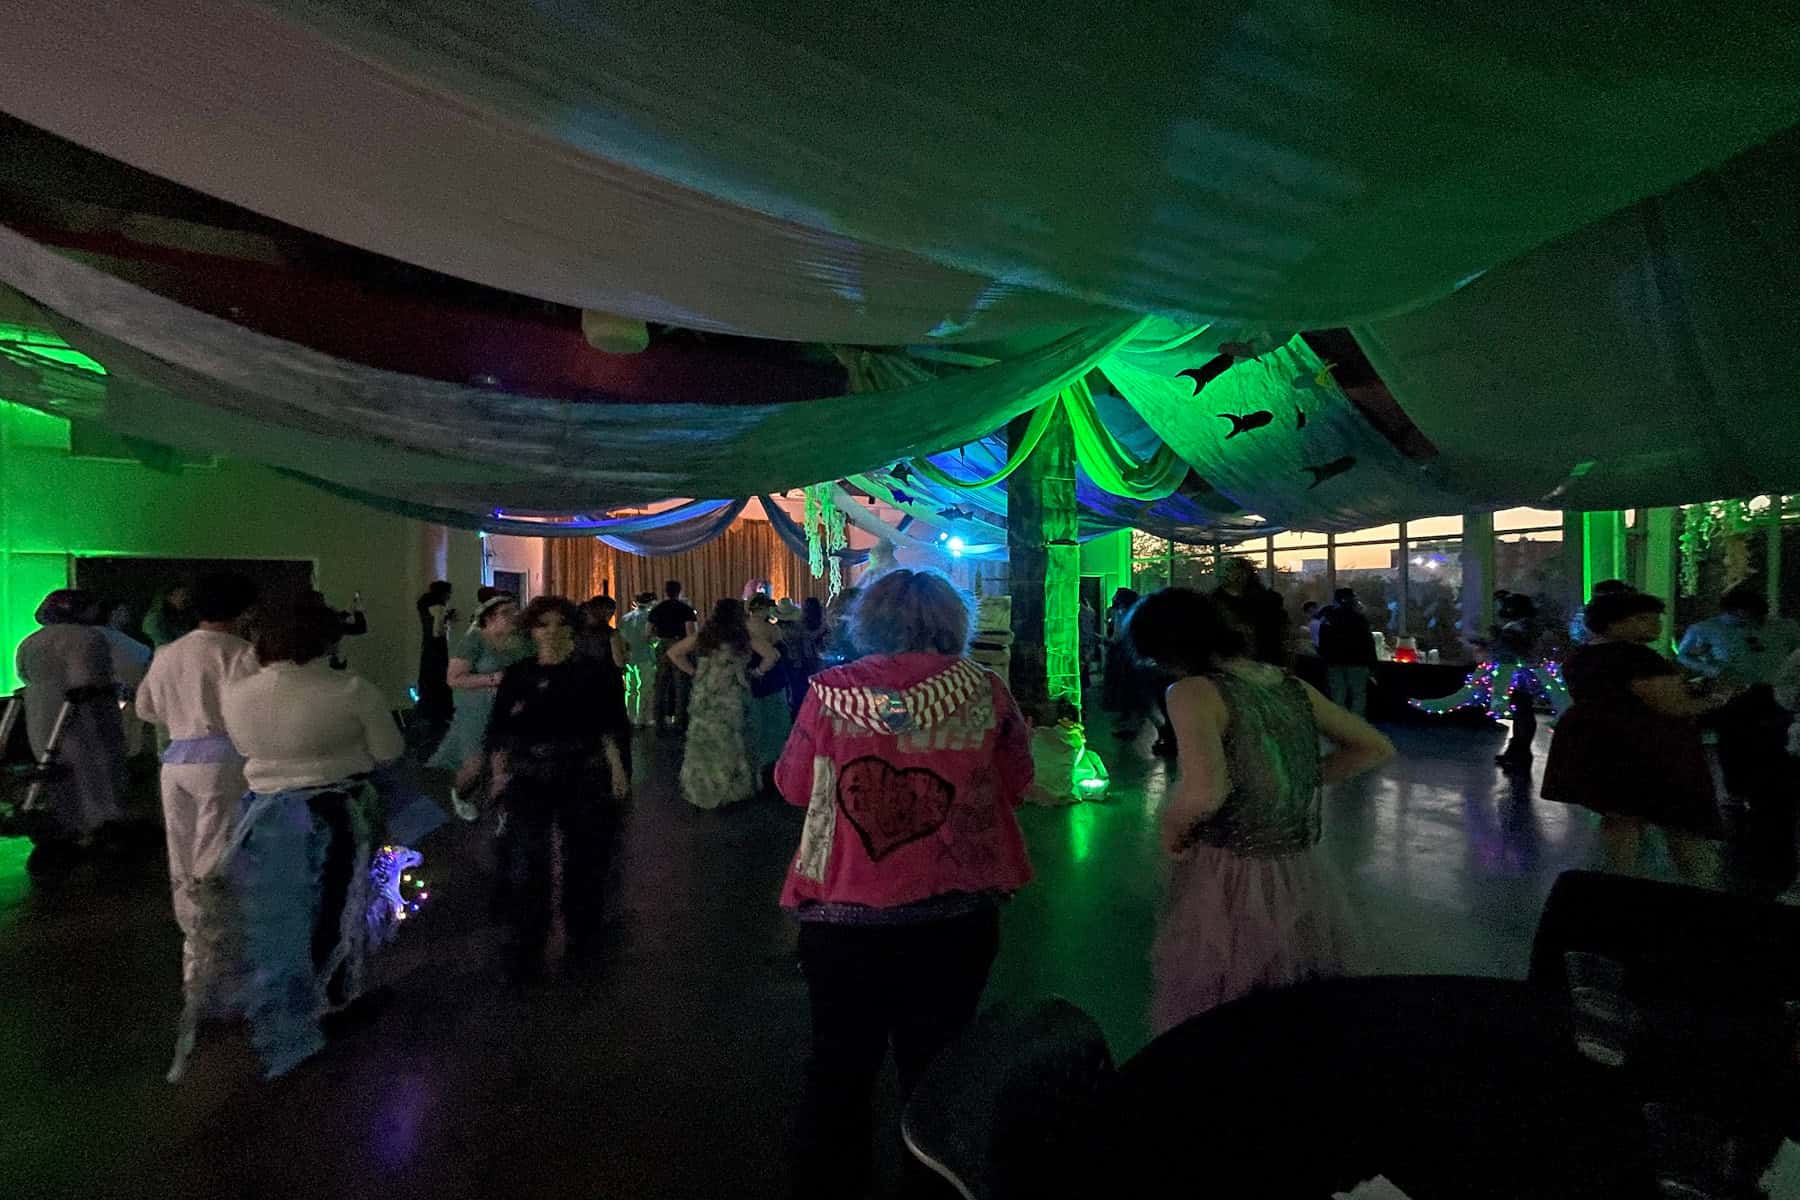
[[506, 553], [54, 506]]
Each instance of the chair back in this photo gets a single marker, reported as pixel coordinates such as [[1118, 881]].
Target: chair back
[[1012, 1108]]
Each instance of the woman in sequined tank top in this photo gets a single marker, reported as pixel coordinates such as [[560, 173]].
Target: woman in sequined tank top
[[1251, 903]]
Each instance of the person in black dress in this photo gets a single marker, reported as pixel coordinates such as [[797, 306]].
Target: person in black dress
[[435, 704], [558, 769], [1630, 747]]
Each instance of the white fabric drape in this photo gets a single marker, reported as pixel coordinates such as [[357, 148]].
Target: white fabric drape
[[865, 171], [184, 378], [1652, 358]]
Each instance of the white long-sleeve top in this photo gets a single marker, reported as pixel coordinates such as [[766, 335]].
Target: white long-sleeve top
[[306, 726], [185, 686]]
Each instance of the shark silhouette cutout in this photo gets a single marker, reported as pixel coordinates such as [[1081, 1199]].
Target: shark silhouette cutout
[[1245, 422], [1330, 470]]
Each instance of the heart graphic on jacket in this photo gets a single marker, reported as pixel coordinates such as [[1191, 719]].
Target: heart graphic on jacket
[[890, 806]]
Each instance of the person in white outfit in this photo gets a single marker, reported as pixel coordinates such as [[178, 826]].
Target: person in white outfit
[[311, 738], [68, 661], [202, 773]]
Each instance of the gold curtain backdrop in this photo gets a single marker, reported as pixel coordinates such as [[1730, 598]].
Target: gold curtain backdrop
[[583, 567]]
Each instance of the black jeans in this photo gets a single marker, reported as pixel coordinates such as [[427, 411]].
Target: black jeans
[[672, 690], [914, 985], [577, 803]]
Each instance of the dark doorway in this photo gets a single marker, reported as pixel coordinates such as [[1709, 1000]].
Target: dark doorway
[[140, 581]]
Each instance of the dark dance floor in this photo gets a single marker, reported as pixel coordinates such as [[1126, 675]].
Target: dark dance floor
[[673, 1071]]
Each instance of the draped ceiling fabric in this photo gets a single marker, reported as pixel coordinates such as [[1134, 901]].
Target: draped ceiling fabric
[[1651, 358], [1277, 436], [196, 381], [857, 170]]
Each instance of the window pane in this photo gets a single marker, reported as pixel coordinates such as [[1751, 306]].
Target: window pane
[[1373, 572], [1300, 576], [1374, 533], [1528, 518], [1148, 575], [1296, 539], [1534, 563], [1144, 545], [1380, 556], [1434, 598], [1434, 527], [1195, 566]]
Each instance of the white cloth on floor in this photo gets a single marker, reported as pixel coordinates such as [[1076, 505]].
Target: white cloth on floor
[[306, 726]]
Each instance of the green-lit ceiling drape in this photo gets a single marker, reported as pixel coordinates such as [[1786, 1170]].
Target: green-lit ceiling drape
[[1111, 465], [1106, 461]]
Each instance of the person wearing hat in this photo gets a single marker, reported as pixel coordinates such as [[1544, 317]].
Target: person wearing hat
[[486, 650], [69, 660]]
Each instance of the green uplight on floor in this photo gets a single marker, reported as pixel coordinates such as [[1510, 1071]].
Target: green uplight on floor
[[13, 880], [1081, 832]]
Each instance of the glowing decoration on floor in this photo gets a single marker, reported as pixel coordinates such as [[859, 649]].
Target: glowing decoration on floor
[[1491, 685], [395, 890], [1091, 776]]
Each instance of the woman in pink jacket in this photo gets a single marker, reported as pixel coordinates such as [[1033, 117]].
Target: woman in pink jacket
[[909, 762]]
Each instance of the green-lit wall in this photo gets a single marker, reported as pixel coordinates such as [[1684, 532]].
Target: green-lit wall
[[54, 506]]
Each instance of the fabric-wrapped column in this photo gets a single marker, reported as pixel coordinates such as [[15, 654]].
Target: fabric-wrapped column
[[1045, 569]]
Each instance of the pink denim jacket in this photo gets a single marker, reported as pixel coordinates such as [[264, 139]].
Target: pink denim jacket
[[909, 768]]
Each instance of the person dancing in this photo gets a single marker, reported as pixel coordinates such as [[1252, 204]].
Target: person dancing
[[717, 768], [672, 621], [910, 763], [202, 772], [299, 862], [68, 662], [483, 654], [1630, 748], [1251, 903], [560, 775], [640, 658]]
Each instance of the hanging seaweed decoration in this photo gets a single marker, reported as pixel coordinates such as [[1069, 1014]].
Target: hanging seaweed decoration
[[817, 496], [1730, 520], [1692, 549], [833, 520]]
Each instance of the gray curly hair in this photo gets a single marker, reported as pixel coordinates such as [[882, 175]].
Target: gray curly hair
[[912, 612]]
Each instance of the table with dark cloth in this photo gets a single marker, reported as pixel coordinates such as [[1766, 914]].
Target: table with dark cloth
[[1395, 683], [1449, 1086]]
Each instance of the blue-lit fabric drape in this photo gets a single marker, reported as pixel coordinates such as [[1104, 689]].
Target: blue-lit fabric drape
[[794, 537], [677, 537]]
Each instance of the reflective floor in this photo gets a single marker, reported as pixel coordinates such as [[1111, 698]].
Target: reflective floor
[[671, 1074]]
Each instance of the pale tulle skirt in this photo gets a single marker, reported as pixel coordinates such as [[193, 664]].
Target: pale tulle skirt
[[1234, 925]]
